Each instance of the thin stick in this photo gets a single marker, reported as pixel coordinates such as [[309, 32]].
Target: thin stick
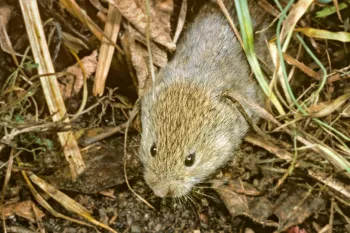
[[132, 116]]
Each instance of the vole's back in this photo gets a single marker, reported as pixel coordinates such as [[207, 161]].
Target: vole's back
[[210, 52], [189, 130]]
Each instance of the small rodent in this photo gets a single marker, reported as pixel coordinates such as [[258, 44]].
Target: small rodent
[[188, 129]]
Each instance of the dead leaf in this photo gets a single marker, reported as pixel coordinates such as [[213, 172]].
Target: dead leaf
[[73, 43], [331, 182], [134, 42], [77, 79], [138, 62], [258, 208], [5, 43], [292, 207], [160, 12], [138, 55], [325, 109], [125, 41], [297, 11], [159, 56], [324, 34], [23, 209], [269, 146], [104, 169]]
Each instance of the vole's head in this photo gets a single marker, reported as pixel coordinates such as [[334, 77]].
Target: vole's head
[[185, 137]]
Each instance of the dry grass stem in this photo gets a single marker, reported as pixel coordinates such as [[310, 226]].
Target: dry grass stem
[[111, 30], [49, 83]]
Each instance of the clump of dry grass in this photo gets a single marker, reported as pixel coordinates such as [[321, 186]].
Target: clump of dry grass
[[303, 98]]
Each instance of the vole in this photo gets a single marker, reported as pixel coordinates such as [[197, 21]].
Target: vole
[[188, 129]]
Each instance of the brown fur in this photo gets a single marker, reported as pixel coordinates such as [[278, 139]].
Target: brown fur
[[184, 113]]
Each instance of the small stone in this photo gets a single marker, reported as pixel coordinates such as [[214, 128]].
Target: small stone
[[129, 219], [146, 216], [135, 229], [158, 227], [204, 220]]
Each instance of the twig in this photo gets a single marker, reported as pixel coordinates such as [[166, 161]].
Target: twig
[[132, 116]]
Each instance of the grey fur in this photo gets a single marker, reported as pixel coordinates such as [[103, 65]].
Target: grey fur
[[185, 113]]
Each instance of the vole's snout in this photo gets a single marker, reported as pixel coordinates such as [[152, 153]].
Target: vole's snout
[[167, 187], [159, 187], [163, 191]]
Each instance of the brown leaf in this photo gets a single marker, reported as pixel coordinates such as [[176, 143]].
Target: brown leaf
[[136, 54], [159, 56], [5, 43], [23, 209], [297, 11], [292, 207], [137, 57], [77, 79], [141, 68], [160, 12], [326, 108], [256, 207], [73, 43], [104, 168]]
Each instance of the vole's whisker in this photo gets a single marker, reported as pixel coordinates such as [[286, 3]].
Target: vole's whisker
[[181, 203], [191, 199], [195, 194], [206, 195], [191, 202], [175, 200]]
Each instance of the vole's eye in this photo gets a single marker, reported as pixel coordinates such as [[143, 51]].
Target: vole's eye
[[190, 160], [153, 150]]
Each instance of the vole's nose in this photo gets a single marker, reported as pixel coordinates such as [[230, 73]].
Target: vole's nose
[[163, 192]]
